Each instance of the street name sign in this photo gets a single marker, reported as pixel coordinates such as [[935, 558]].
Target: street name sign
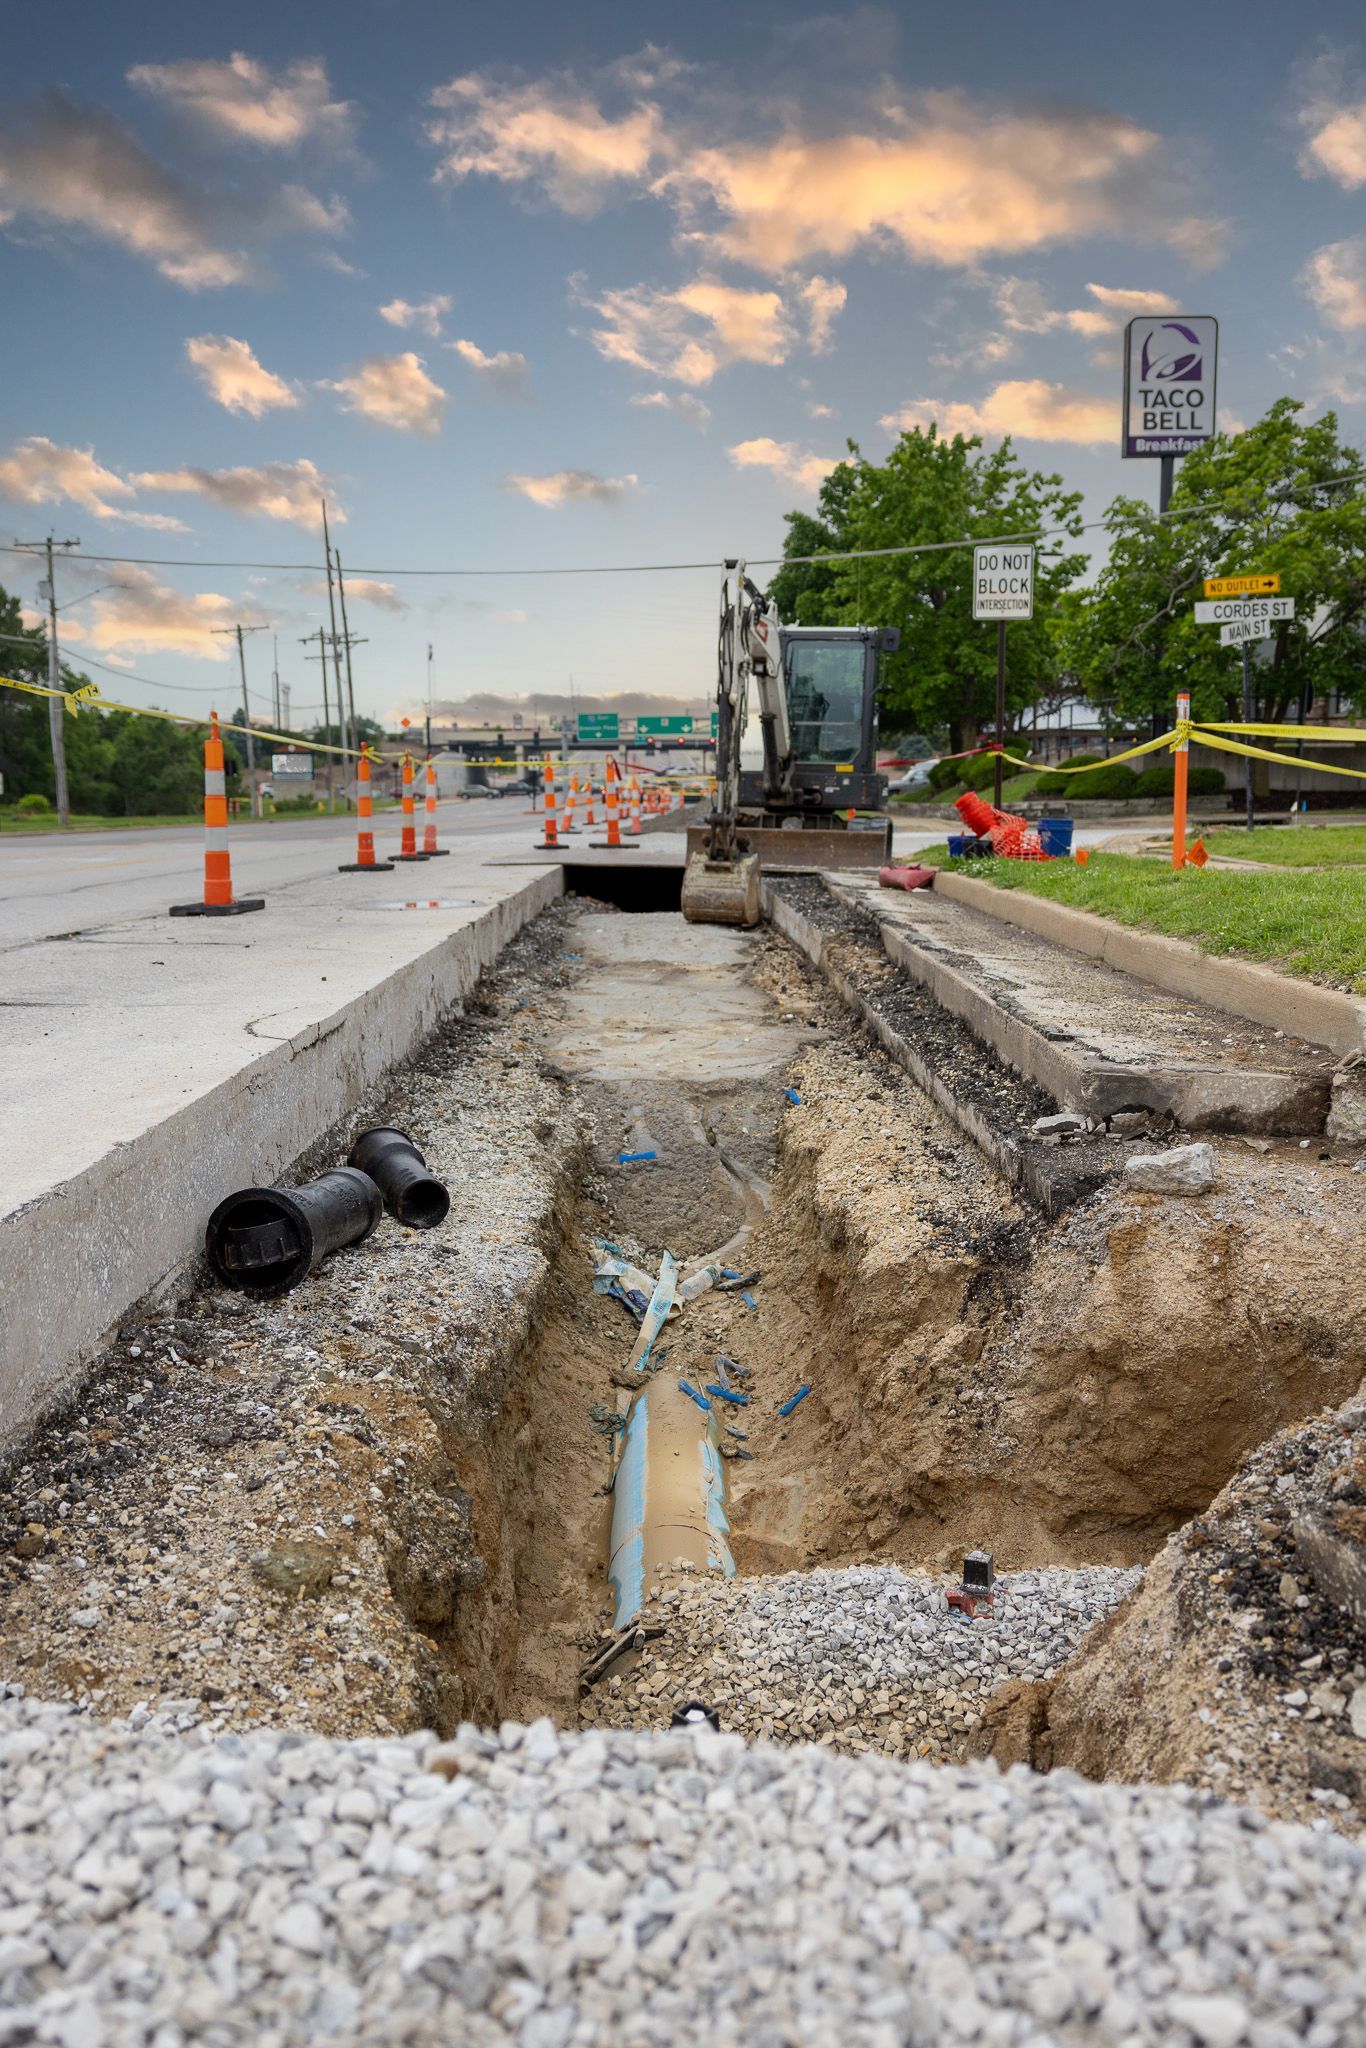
[[1260, 583], [1225, 611], [599, 725], [1170, 363], [1244, 629], [1003, 580]]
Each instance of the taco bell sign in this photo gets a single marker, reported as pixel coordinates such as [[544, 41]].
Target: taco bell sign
[[1170, 364]]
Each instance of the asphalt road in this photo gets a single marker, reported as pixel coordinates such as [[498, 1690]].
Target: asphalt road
[[53, 884]]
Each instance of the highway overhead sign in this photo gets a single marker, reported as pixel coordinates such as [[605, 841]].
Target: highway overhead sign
[[673, 726], [1223, 611], [1260, 583], [1003, 580], [1244, 629], [599, 725], [1169, 372]]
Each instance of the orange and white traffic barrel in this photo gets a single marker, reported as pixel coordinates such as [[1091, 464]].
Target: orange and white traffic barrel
[[365, 861], [429, 845], [218, 897], [635, 806], [614, 839], [551, 840], [408, 848]]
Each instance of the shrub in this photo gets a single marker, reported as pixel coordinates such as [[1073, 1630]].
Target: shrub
[[1050, 783], [34, 805], [1160, 780], [1107, 778]]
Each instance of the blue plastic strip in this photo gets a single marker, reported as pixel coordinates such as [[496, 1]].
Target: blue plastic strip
[[693, 1395], [800, 1395], [725, 1394]]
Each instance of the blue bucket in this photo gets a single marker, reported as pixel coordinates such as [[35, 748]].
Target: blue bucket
[[956, 844], [1055, 836]]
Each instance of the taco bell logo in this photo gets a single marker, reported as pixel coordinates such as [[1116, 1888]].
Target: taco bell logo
[[1171, 352], [1169, 384]]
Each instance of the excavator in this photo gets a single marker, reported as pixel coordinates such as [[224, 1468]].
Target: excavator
[[817, 692]]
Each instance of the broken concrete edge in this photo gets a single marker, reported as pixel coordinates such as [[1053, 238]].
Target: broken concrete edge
[[73, 1262], [1301, 1009], [1199, 1097], [1029, 1168]]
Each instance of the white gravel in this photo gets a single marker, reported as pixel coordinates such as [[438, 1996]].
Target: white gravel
[[862, 1657], [556, 1889]]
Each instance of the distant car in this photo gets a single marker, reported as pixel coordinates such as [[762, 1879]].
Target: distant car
[[916, 776], [479, 789], [518, 789]]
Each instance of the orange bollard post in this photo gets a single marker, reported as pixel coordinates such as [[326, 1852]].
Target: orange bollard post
[[429, 845], [614, 839], [218, 897], [365, 862], [408, 849], [635, 807], [551, 839], [588, 817], [1183, 711]]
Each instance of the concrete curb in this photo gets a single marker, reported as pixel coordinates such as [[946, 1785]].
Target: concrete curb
[[1323, 1016], [74, 1261]]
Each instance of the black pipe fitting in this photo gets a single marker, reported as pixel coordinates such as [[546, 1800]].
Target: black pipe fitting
[[266, 1240], [411, 1194]]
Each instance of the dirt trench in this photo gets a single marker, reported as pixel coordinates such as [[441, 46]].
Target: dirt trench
[[382, 1503]]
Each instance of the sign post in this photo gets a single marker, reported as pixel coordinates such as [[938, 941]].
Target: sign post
[[1002, 589], [1183, 710], [1244, 608], [1170, 367]]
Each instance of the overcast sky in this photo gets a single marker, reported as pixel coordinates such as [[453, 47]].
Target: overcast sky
[[537, 286]]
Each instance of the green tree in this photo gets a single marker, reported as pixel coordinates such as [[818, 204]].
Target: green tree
[[1270, 497], [806, 593], [930, 491]]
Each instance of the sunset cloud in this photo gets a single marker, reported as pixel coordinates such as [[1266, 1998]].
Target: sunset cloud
[[394, 391], [1335, 279], [566, 486], [690, 333], [547, 134], [141, 616], [1025, 309], [230, 373], [1027, 408], [291, 491], [1332, 115], [505, 373], [824, 300], [242, 98], [794, 465], [383, 596], [683, 403], [43, 472], [425, 315]]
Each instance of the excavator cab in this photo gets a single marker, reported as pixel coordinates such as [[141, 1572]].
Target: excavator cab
[[829, 678]]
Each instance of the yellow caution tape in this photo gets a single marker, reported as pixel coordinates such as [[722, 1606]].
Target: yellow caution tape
[[1345, 733], [1210, 739], [1131, 753]]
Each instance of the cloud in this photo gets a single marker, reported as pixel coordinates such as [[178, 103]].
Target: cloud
[[688, 334], [241, 98], [230, 373], [563, 486], [683, 403], [43, 472], [1025, 310], [824, 299], [935, 175], [395, 391], [1027, 408], [141, 616], [795, 465], [424, 314], [1332, 115], [76, 167], [275, 490], [820, 412], [550, 135], [507, 373], [1335, 279]]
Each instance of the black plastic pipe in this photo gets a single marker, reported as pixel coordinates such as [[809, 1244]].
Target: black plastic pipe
[[393, 1162], [266, 1240]]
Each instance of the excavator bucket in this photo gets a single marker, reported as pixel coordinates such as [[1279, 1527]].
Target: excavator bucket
[[721, 891]]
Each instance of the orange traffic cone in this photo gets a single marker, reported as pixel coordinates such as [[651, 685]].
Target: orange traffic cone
[[570, 801], [408, 850], [551, 840], [614, 838], [365, 861], [429, 845], [218, 897]]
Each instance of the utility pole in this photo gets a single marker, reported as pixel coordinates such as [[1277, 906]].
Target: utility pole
[[246, 710], [336, 649], [346, 637], [275, 681], [56, 710], [429, 696], [321, 657]]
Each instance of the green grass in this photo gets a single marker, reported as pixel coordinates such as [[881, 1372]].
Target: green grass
[[1295, 846], [1305, 921]]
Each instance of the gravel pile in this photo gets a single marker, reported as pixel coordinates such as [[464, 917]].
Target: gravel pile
[[865, 1658], [545, 1890]]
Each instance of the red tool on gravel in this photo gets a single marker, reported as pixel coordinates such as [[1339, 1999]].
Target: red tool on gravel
[[905, 878]]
